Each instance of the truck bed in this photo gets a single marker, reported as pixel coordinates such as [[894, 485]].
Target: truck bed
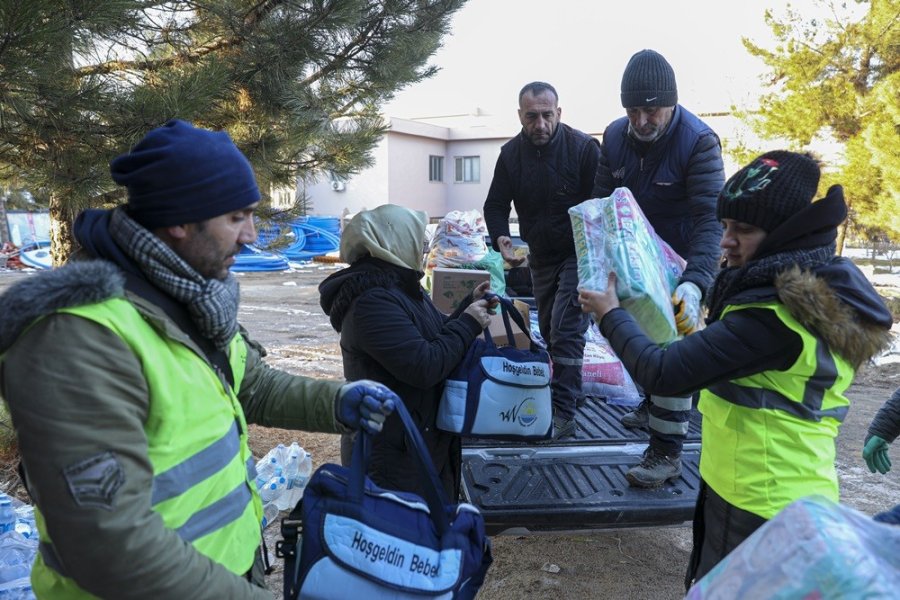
[[579, 483]]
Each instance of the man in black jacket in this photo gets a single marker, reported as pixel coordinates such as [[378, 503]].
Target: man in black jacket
[[672, 163], [545, 170]]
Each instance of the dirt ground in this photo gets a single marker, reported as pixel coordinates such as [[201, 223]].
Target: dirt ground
[[281, 311]]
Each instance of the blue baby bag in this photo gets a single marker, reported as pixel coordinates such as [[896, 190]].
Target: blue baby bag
[[357, 540], [499, 392]]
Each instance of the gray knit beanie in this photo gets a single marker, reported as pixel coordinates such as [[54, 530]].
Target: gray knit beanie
[[774, 187], [648, 80]]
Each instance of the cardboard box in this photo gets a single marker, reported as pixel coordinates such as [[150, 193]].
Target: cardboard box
[[498, 330], [450, 286]]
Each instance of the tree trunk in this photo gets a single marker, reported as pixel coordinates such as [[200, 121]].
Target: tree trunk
[[4, 223], [841, 236], [62, 240]]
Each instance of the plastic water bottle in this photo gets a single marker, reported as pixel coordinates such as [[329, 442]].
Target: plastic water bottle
[[270, 514], [273, 489], [266, 470], [291, 467], [297, 472], [7, 514], [304, 472], [25, 524]]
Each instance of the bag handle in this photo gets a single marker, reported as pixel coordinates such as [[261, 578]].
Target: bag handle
[[509, 311], [435, 496]]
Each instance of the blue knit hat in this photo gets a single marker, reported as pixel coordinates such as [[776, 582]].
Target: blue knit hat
[[181, 174]]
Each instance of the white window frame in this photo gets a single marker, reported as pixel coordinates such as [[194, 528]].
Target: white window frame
[[468, 169]]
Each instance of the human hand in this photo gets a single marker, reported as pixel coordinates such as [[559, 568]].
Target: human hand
[[480, 311], [365, 404], [599, 303], [875, 453], [507, 251], [483, 291], [686, 300]]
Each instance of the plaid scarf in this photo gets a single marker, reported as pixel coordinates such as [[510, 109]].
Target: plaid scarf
[[211, 304]]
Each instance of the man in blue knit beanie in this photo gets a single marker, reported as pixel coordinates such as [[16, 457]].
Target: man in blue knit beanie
[[132, 426]]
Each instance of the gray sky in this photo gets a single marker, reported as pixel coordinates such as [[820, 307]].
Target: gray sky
[[582, 46]]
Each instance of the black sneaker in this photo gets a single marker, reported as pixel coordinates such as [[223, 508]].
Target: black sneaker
[[654, 470], [639, 418]]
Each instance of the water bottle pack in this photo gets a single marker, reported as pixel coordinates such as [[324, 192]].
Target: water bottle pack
[[18, 546], [282, 475]]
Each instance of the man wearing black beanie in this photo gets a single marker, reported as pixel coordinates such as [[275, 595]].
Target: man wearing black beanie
[[132, 424], [672, 163]]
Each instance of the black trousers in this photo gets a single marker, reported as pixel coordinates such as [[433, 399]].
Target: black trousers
[[719, 528]]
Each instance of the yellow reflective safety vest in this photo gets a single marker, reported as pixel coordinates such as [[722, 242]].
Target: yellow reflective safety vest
[[203, 470], [768, 439]]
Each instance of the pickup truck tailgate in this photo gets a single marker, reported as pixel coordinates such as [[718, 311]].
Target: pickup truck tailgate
[[577, 484]]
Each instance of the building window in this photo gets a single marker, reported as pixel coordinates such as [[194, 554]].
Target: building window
[[468, 169], [435, 168]]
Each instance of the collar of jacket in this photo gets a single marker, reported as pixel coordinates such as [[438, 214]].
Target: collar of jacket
[[73, 284], [547, 148], [643, 148]]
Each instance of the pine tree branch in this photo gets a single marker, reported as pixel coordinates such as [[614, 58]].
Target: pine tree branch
[[251, 21]]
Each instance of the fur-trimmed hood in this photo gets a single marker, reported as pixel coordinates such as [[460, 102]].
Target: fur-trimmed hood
[[74, 284], [837, 302]]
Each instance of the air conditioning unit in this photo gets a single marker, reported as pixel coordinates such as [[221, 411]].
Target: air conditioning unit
[[337, 186]]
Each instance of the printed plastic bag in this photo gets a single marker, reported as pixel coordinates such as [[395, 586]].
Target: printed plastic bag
[[458, 240], [613, 234], [814, 548], [603, 374]]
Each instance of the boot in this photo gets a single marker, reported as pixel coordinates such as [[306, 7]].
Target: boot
[[563, 428], [654, 470], [639, 418]]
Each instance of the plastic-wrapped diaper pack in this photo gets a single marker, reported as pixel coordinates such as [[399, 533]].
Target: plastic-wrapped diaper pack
[[814, 548], [613, 234]]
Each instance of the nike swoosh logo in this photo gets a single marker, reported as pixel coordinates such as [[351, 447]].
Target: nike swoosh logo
[[651, 99]]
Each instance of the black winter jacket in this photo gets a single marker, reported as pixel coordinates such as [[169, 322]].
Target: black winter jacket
[[886, 423], [543, 182], [393, 334], [675, 180]]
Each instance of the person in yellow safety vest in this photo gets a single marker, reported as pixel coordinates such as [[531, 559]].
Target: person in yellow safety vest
[[130, 384], [788, 326]]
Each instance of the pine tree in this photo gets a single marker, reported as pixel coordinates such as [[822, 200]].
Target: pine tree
[[297, 84], [838, 78]]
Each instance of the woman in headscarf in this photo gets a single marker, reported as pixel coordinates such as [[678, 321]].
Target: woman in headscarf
[[789, 323], [393, 334]]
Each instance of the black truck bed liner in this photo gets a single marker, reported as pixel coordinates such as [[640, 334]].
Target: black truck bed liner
[[577, 484]]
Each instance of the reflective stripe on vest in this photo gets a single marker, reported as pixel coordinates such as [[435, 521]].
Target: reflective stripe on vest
[[768, 438], [204, 483], [809, 408]]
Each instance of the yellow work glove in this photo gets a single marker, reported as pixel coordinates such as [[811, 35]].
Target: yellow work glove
[[686, 301]]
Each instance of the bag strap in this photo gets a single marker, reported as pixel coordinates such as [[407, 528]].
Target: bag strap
[[435, 496], [509, 312]]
